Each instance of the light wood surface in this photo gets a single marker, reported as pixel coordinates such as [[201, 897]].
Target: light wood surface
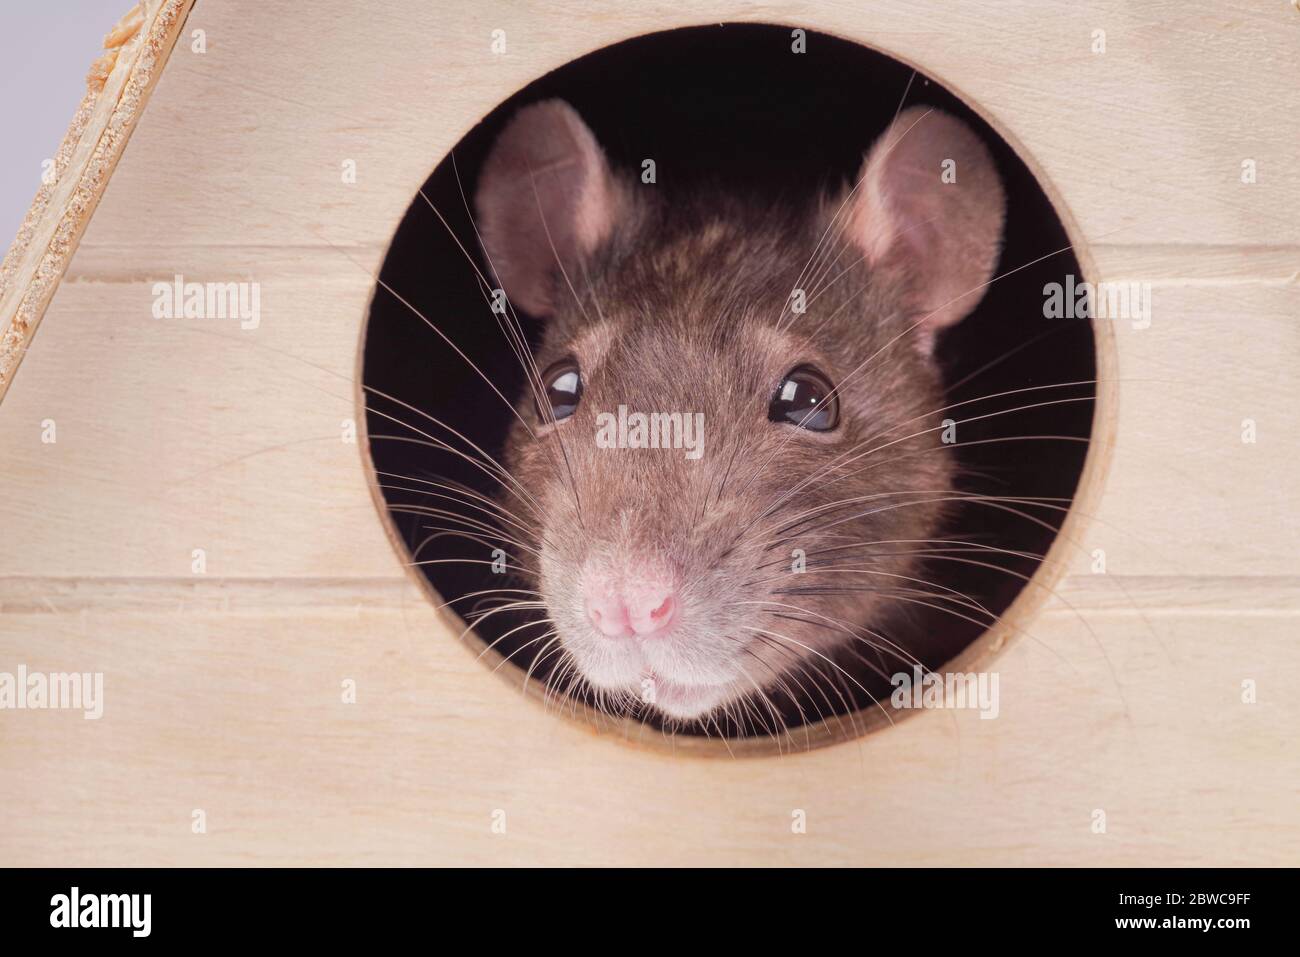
[[222, 691]]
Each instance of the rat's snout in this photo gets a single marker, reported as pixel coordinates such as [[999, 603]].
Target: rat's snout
[[620, 605]]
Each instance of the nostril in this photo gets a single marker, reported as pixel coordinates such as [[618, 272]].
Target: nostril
[[608, 616], [664, 611], [652, 611], [618, 607]]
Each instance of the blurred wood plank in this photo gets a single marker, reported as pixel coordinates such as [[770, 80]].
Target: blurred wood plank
[[241, 715], [1140, 145]]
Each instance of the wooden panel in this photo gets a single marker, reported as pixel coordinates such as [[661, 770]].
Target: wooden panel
[[238, 712], [186, 439], [1185, 493], [1146, 140]]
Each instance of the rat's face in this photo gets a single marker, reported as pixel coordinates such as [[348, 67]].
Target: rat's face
[[731, 448]]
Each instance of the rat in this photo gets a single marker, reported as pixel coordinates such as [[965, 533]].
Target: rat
[[800, 340]]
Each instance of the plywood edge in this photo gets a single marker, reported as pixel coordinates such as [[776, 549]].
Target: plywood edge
[[119, 85]]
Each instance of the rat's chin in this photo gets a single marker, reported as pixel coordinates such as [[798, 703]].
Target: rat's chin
[[683, 701], [648, 672], [674, 699]]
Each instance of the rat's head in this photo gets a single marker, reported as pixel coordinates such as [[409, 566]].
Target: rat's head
[[731, 449]]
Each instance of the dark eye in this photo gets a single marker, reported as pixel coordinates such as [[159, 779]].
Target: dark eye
[[562, 383], [804, 399]]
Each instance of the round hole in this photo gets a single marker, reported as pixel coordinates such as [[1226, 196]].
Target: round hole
[[725, 139]]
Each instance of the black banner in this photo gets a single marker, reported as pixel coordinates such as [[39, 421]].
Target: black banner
[[333, 906]]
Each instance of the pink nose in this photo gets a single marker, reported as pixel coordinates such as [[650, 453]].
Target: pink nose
[[621, 609]]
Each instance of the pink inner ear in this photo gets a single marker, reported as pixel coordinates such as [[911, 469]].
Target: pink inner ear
[[942, 237], [545, 198]]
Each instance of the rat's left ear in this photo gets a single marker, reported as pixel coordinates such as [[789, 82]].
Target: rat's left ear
[[930, 208]]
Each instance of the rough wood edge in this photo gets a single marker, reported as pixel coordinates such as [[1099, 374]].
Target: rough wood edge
[[118, 87]]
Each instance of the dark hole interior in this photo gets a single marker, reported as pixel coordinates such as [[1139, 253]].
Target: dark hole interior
[[733, 102]]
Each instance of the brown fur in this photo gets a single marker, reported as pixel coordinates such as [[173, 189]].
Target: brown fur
[[686, 308]]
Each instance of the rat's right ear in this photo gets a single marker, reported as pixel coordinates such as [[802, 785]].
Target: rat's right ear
[[545, 199]]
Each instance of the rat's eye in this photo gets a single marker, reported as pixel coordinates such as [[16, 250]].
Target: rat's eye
[[804, 398], [563, 384]]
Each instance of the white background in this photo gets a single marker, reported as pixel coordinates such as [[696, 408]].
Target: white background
[[46, 49]]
